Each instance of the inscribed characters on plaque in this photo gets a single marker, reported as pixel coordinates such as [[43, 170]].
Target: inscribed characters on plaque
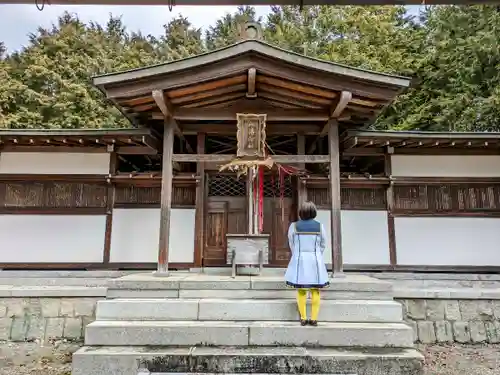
[[251, 135]]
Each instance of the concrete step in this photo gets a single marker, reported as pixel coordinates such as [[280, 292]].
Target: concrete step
[[264, 360], [245, 310], [265, 333]]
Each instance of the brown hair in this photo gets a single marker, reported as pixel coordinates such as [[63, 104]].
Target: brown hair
[[307, 211]]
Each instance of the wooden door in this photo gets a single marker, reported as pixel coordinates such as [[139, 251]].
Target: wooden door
[[214, 251], [225, 213], [276, 223]]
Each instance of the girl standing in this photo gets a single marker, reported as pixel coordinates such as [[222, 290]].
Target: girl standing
[[307, 270]]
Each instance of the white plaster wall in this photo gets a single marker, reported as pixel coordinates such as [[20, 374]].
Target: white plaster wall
[[365, 236], [451, 241], [446, 165], [54, 163], [135, 235], [52, 238]]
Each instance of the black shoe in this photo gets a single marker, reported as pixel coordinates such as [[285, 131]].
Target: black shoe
[[303, 322], [313, 323]]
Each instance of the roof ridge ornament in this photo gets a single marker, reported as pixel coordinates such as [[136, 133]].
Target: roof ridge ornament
[[250, 31]]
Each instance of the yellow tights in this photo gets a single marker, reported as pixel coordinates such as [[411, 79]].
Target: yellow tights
[[302, 303]]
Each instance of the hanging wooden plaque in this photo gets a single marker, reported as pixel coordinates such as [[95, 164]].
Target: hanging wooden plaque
[[251, 135]]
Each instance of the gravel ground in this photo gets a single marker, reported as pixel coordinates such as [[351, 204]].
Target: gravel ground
[[55, 359]]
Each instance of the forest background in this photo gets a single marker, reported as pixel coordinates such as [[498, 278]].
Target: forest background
[[451, 52]]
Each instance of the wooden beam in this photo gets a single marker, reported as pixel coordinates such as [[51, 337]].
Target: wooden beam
[[166, 198], [271, 128], [229, 114], [345, 98], [337, 110], [336, 227], [252, 73], [167, 112], [200, 204], [286, 159], [136, 150]]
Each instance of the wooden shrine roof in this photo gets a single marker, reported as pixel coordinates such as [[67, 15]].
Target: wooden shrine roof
[[251, 76], [421, 140], [124, 141]]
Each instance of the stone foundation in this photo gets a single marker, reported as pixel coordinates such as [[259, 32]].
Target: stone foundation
[[433, 320], [462, 321], [27, 319], [45, 305]]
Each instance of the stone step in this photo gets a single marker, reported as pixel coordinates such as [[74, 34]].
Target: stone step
[[245, 310], [196, 282], [243, 294], [265, 360], [265, 333]]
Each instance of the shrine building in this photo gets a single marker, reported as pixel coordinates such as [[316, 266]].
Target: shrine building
[[230, 143]]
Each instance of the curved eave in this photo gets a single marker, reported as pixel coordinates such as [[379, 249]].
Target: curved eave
[[258, 47]]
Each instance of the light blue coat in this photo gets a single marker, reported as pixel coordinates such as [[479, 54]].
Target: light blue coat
[[307, 268]]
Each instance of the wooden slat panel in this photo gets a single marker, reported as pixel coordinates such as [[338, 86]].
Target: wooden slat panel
[[451, 198], [351, 198], [140, 196], [53, 195]]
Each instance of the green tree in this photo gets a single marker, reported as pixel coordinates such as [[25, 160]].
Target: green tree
[[457, 73], [370, 37], [225, 31], [181, 40]]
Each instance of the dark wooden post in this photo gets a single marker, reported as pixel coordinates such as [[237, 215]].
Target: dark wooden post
[[301, 188], [336, 228], [390, 207], [110, 202], [166, 197], [200, 204]]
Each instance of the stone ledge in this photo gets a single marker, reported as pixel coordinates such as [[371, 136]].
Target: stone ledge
[[7, 291], [447, 293]]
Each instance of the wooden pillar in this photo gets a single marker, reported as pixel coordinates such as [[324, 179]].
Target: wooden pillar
[[336, 227], [250, 205], [301, 187], [200, 204], [110, 202], [390, 208], [166, 197]]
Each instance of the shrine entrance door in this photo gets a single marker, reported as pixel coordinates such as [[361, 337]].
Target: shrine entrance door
[[226, 212], [278, 214]]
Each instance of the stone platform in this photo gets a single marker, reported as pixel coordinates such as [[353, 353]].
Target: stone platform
[[212, 323]]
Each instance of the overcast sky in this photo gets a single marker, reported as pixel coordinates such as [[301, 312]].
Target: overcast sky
[[19, 20]]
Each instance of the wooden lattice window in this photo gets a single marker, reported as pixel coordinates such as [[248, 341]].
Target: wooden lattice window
[[225, 185], [273, 188]]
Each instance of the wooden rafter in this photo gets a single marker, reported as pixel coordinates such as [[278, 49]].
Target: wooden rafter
[[252, 73], [166, 110]]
